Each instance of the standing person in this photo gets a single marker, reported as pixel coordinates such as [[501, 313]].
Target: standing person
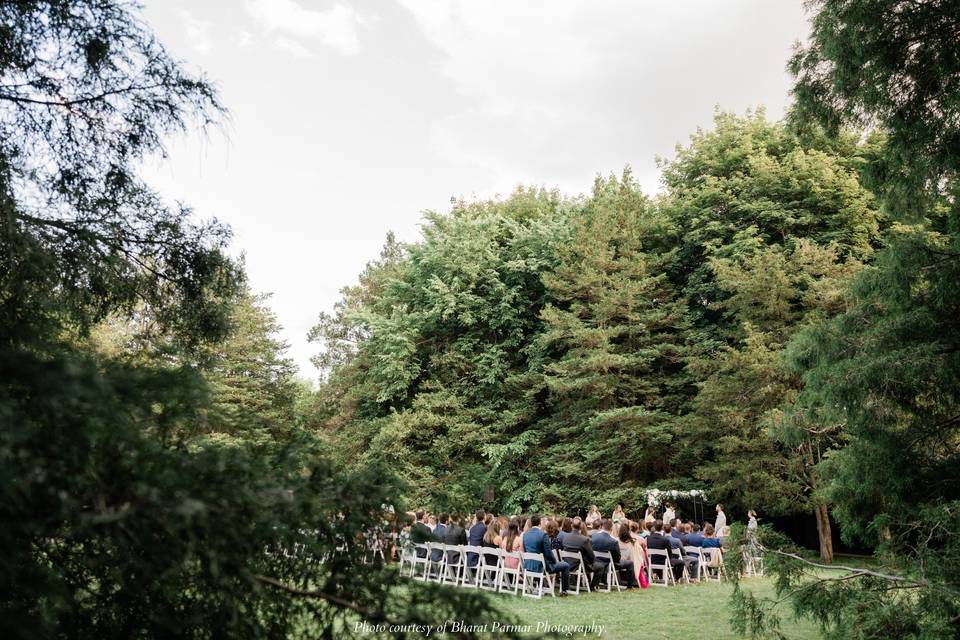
[[720, 524], [593, 516], [618, 514], [668, 513], [752, 522], [651, 515], [475, 537], [536, 541]]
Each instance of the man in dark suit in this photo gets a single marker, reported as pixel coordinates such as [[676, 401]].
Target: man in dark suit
[[455, 535], [439, 533], [675, 528], [603, 541], [575, 541], [661, 539], [475, 537], [536, 541], [420, 532]]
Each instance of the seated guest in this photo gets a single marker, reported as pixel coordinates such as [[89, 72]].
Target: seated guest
[[566, 525], [628, 549], [693, 537], [577, 540], [491, 540], [709, 539], [475, 537], [659, 539], [576, 523], [440, 533], [552, 529], [420, 532], [454, 536], [513, 542], [675, 528], [536, 541], [603, 541]]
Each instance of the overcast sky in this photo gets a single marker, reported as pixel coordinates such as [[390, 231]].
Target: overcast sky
[[349, 119]]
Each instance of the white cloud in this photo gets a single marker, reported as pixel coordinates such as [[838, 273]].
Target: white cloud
[[197, 32], [335, 27], [292, 47], [554, 85]]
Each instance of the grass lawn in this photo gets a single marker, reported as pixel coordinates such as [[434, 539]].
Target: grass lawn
[[695, 611]]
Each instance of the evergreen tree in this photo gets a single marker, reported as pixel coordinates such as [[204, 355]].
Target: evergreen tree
[[888, 368], [614, 352]]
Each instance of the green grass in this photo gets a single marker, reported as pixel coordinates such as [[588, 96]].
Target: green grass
[[694, 611]]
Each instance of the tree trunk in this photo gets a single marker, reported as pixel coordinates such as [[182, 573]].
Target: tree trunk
[[823, 532]]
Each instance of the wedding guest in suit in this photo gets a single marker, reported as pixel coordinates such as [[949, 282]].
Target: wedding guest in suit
[[536, 541], [603, 541], [577, 540], [420, 532], [455, 536], [659, 539], [440, 533], [475, 537]]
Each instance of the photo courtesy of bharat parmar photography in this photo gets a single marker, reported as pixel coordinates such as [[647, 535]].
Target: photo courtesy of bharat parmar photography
[[399, 319]]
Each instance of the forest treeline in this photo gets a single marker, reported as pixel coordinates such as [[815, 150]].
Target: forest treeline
[[780, 326], [552, 352]]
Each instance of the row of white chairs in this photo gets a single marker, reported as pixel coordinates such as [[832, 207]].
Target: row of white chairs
[[496, 569], [449, 564], [706, 563]]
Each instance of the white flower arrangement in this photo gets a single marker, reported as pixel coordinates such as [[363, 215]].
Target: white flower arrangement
[[655, 497]]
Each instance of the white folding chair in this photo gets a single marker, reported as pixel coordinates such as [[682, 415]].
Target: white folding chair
[[489, 568], [665, 569], [421, 558], [407, 556], [579, 577], [470, 576], [713, 567], [696, 555], [436, 566], [515, 574], [685, 575], [533, 580], [453, 564], [612, 579]]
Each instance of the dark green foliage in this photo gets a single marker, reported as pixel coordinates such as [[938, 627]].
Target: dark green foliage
[[85, 92], [109, 533], [153, 479], [888, 367], [613, 349]]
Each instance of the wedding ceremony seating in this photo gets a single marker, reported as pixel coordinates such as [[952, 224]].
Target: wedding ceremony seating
[[674, 556]]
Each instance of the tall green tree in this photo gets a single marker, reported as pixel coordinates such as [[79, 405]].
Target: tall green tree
[[613, 355], [888, 367], [113, 528], [769, 226]]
